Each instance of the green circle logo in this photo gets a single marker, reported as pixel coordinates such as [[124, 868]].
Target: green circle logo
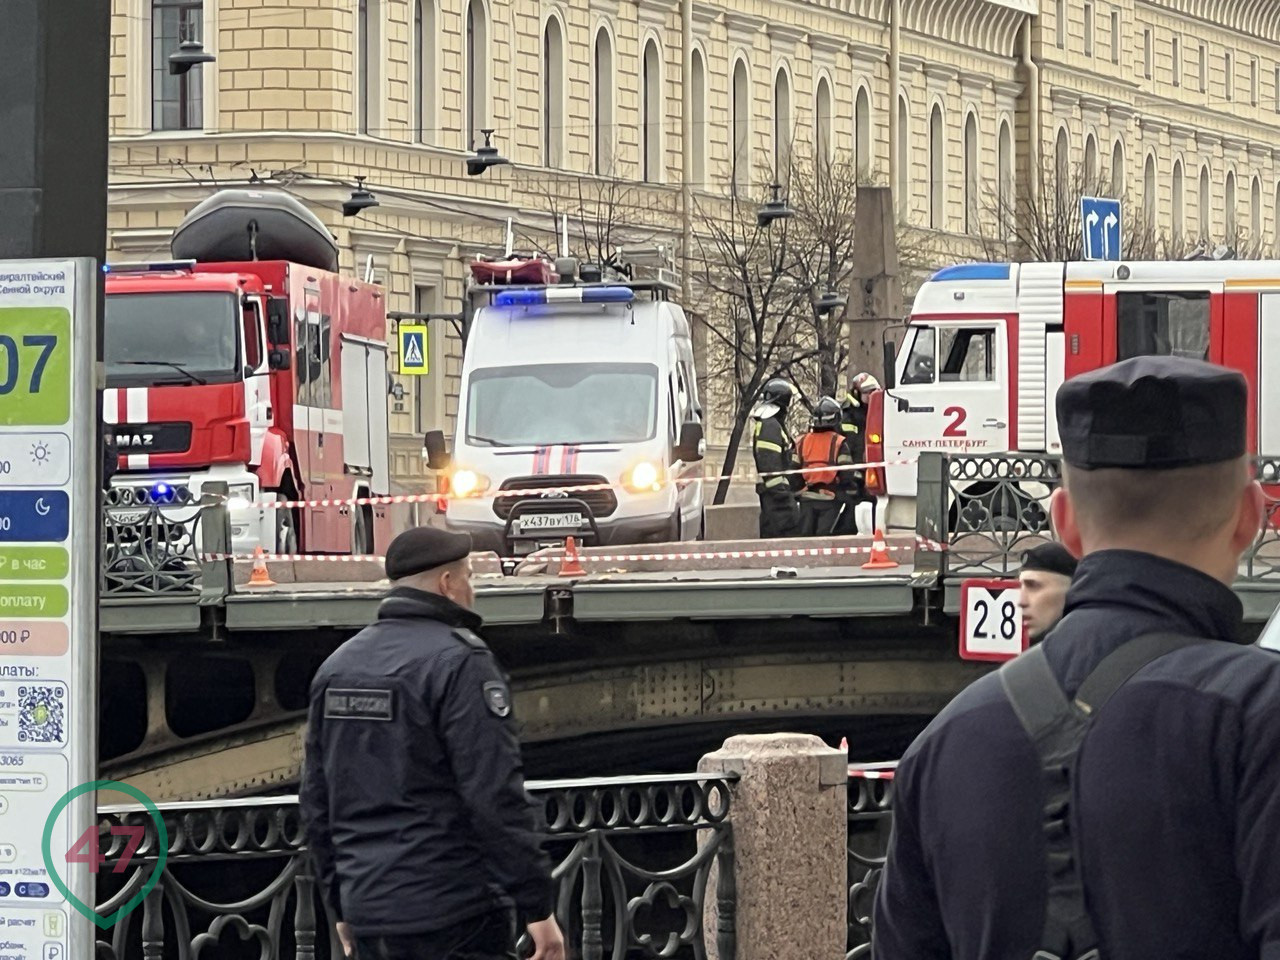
[[85, 849]]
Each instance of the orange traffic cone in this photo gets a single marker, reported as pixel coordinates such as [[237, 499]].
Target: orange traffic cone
[[260, 577], [844, 744], [880, 559], [571, 566]]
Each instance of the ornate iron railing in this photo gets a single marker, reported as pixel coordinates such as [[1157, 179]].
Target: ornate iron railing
[[870, 819], [633, 859], [987, 510], [153, 542]]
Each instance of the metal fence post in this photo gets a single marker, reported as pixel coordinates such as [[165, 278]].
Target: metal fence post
[[216, 580], [931, 511]]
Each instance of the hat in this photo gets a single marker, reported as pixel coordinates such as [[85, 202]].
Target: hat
[[424, 548], [1051, 557], [1152, 413]]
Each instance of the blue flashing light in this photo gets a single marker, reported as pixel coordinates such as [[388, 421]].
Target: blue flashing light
[[162, 493], [535, 296], [973, 271]]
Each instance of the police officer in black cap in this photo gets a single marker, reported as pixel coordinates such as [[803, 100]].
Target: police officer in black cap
[[1113, 792], [1045, 574], [412, 793]]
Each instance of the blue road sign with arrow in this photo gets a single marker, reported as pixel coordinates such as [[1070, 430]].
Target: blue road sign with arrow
[[1100, 217]]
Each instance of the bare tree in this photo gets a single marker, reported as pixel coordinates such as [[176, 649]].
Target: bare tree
[[754, 306], [604, 213]]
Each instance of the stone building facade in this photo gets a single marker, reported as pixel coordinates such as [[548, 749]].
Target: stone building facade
[[946, 101]]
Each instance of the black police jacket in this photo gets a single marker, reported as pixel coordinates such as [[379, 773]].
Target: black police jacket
[[1176, 807], [412, 790]]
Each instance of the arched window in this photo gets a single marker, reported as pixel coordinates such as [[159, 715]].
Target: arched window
[[937, 168], [1229, 208], [1004, 168], [552, 93], [822, 121], [603, 101], [781, 125], [176, 100], [1061, 160], [1255, 209], [1090, 162], [651, 113], [972, 177], [1204, 202], [741, 173], [477, 77], [424, 70], [698, 94], [862, 133], [904, 159], [1149, 190], [1179, 205], [1117, 170]]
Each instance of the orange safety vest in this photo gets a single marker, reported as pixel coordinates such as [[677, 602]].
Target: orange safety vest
[[820, 449]]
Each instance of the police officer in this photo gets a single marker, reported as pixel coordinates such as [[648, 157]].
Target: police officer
[[1158, 839], [774, 450], [827, 493], [1044, 577], [412, 792]]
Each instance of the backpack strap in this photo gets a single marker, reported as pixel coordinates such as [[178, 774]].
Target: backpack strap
[[1057, 727]]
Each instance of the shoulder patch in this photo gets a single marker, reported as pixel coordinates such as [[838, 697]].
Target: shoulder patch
[[359, 704], [496, 698], [470, 638]]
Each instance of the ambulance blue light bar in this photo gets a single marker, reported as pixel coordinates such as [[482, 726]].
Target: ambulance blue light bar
[[543, 295]]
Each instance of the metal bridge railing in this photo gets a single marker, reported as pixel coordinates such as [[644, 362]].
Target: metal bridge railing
[[634, 856], [870, 820], [986, 510]]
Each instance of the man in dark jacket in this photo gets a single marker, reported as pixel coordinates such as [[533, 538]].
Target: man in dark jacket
[[412, 793], [1044, 577], [1162, 820], [774, 451]]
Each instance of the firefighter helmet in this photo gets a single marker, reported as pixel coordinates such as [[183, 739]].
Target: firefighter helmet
[[826, 415], [775, 396], [864, 383]]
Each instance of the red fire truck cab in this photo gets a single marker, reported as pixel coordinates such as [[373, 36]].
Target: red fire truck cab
[[988, 344], [269, 375]]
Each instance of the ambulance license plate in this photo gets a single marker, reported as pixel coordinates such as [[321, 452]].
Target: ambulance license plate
[[550, 521]]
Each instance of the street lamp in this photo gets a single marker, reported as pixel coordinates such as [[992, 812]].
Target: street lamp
[[190, 53], [828, 302], [775, 209], [485, 157], [360, 199]]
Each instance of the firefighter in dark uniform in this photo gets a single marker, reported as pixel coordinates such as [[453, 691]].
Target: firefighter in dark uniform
[[424, 840], [828, 492], [853, 422], [774, 450], [1158, 839]]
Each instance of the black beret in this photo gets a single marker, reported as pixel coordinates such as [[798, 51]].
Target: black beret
[[1153, 413], [1051, 557], [424, 548]]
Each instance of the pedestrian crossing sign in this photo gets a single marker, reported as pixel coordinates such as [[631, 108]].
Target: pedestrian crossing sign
[[413, 348]]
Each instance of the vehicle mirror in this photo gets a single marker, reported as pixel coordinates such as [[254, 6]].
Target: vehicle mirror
[[890, 358], [693, 445], [278, 322], [437, 450], [278, 359]]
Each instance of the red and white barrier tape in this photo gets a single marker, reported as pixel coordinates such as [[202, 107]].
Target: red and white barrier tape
[[539, 491], [779, 554], [873, 773]]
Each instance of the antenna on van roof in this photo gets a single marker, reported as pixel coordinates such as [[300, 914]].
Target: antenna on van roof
[[510, 238]]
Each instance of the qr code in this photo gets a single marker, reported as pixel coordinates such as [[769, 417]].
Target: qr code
[[42, 714]]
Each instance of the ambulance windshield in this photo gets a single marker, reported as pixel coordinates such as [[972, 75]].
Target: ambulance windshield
[[170, 338], [562, 403]]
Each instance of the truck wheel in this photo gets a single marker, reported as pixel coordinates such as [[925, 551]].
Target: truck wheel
[[286, 531]]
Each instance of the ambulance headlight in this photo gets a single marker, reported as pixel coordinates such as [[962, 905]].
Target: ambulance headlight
[[467, 483], [644, 477]]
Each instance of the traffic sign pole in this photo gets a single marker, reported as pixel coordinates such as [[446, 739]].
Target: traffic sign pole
[[49, 516]]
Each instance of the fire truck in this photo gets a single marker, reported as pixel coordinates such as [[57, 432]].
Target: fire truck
[[249, 360], [988, 344]]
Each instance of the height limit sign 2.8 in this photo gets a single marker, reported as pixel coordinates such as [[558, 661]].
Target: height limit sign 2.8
[[48, 543], [991, 625]]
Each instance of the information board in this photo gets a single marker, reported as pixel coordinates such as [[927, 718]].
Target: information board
[[48, 604], [991, 626]]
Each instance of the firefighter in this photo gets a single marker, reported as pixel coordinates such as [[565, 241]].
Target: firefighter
[[827, 497], [774, 450], [853, 423]]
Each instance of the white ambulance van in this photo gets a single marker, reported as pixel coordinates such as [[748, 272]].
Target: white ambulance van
[[578, 413]]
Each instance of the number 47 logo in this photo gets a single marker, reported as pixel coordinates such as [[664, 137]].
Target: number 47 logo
[[991, 625], [87, 849]]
